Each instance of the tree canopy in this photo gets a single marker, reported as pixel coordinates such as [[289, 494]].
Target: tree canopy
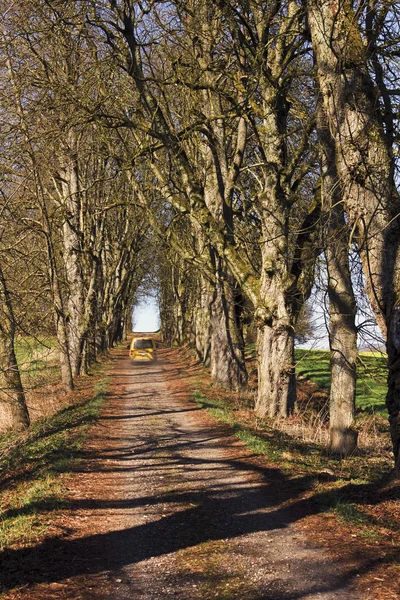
[[225, 147]]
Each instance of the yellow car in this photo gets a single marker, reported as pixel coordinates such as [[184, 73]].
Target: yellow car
[[143, 349]]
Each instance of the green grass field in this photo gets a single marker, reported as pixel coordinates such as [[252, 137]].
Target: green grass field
[[32, 466], [38, 360], [371, 376]]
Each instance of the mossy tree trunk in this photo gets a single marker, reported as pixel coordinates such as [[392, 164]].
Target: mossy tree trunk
[[276, 372], [227, 347]]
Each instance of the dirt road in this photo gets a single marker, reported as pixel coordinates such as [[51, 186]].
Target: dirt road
[[168, 505]]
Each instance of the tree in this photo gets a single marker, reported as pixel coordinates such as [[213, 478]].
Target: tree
[[71, 177], [279, 289], [365, 168], [188, 168], [342, 303], [12, 397]]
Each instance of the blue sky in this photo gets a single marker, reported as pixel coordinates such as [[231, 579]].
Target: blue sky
[[146, 315]]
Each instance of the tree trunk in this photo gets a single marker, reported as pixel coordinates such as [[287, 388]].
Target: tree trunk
[[227, 356], [275, 318], [178, 286], [201, 318], [65, 361], [60, 320], [81, 299], [12, 393], [276, 373], [393, 395], [128, 321], [342, 343], [72, 250], [365, 170], [342, 304]]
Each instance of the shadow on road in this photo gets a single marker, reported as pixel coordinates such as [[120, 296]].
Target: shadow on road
[[216, 511]]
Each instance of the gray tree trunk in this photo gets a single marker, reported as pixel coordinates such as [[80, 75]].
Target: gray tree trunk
[[365, 170], [227, 363], [201, 326], [342, 339], [58, 308], [275, 314], [342, 304], [227, 355], [72, 250], [82, 277], [276, 372], [178, 307], [12, 397], [62, 338]]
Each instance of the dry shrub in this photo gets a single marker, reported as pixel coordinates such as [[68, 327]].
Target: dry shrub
[[374, 434]]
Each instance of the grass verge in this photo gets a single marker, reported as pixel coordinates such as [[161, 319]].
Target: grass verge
[[353, 506], [371, 376], [347, 488], [33, 465]]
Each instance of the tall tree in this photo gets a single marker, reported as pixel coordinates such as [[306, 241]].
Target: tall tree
[[190, 166], [342, 303], [279, 289], [12, 397], [365, 169], [71, 176]]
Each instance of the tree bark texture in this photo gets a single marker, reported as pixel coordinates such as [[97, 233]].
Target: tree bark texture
[[342, 304], [276, 372], [82, 265], [179, 304], [365, 171], [63, 344], [227, 355], [13, 409], [201, 320], [275, 313], [60, 320], [342, 341], [72, 253], [227, 363]]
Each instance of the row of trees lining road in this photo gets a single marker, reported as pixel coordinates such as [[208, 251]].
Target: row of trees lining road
[[250, 136], [73, 245]]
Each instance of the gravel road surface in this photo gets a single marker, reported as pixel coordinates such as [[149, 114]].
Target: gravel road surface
[[167, 504]]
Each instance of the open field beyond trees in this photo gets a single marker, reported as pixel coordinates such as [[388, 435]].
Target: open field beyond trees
[[371, 376]]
